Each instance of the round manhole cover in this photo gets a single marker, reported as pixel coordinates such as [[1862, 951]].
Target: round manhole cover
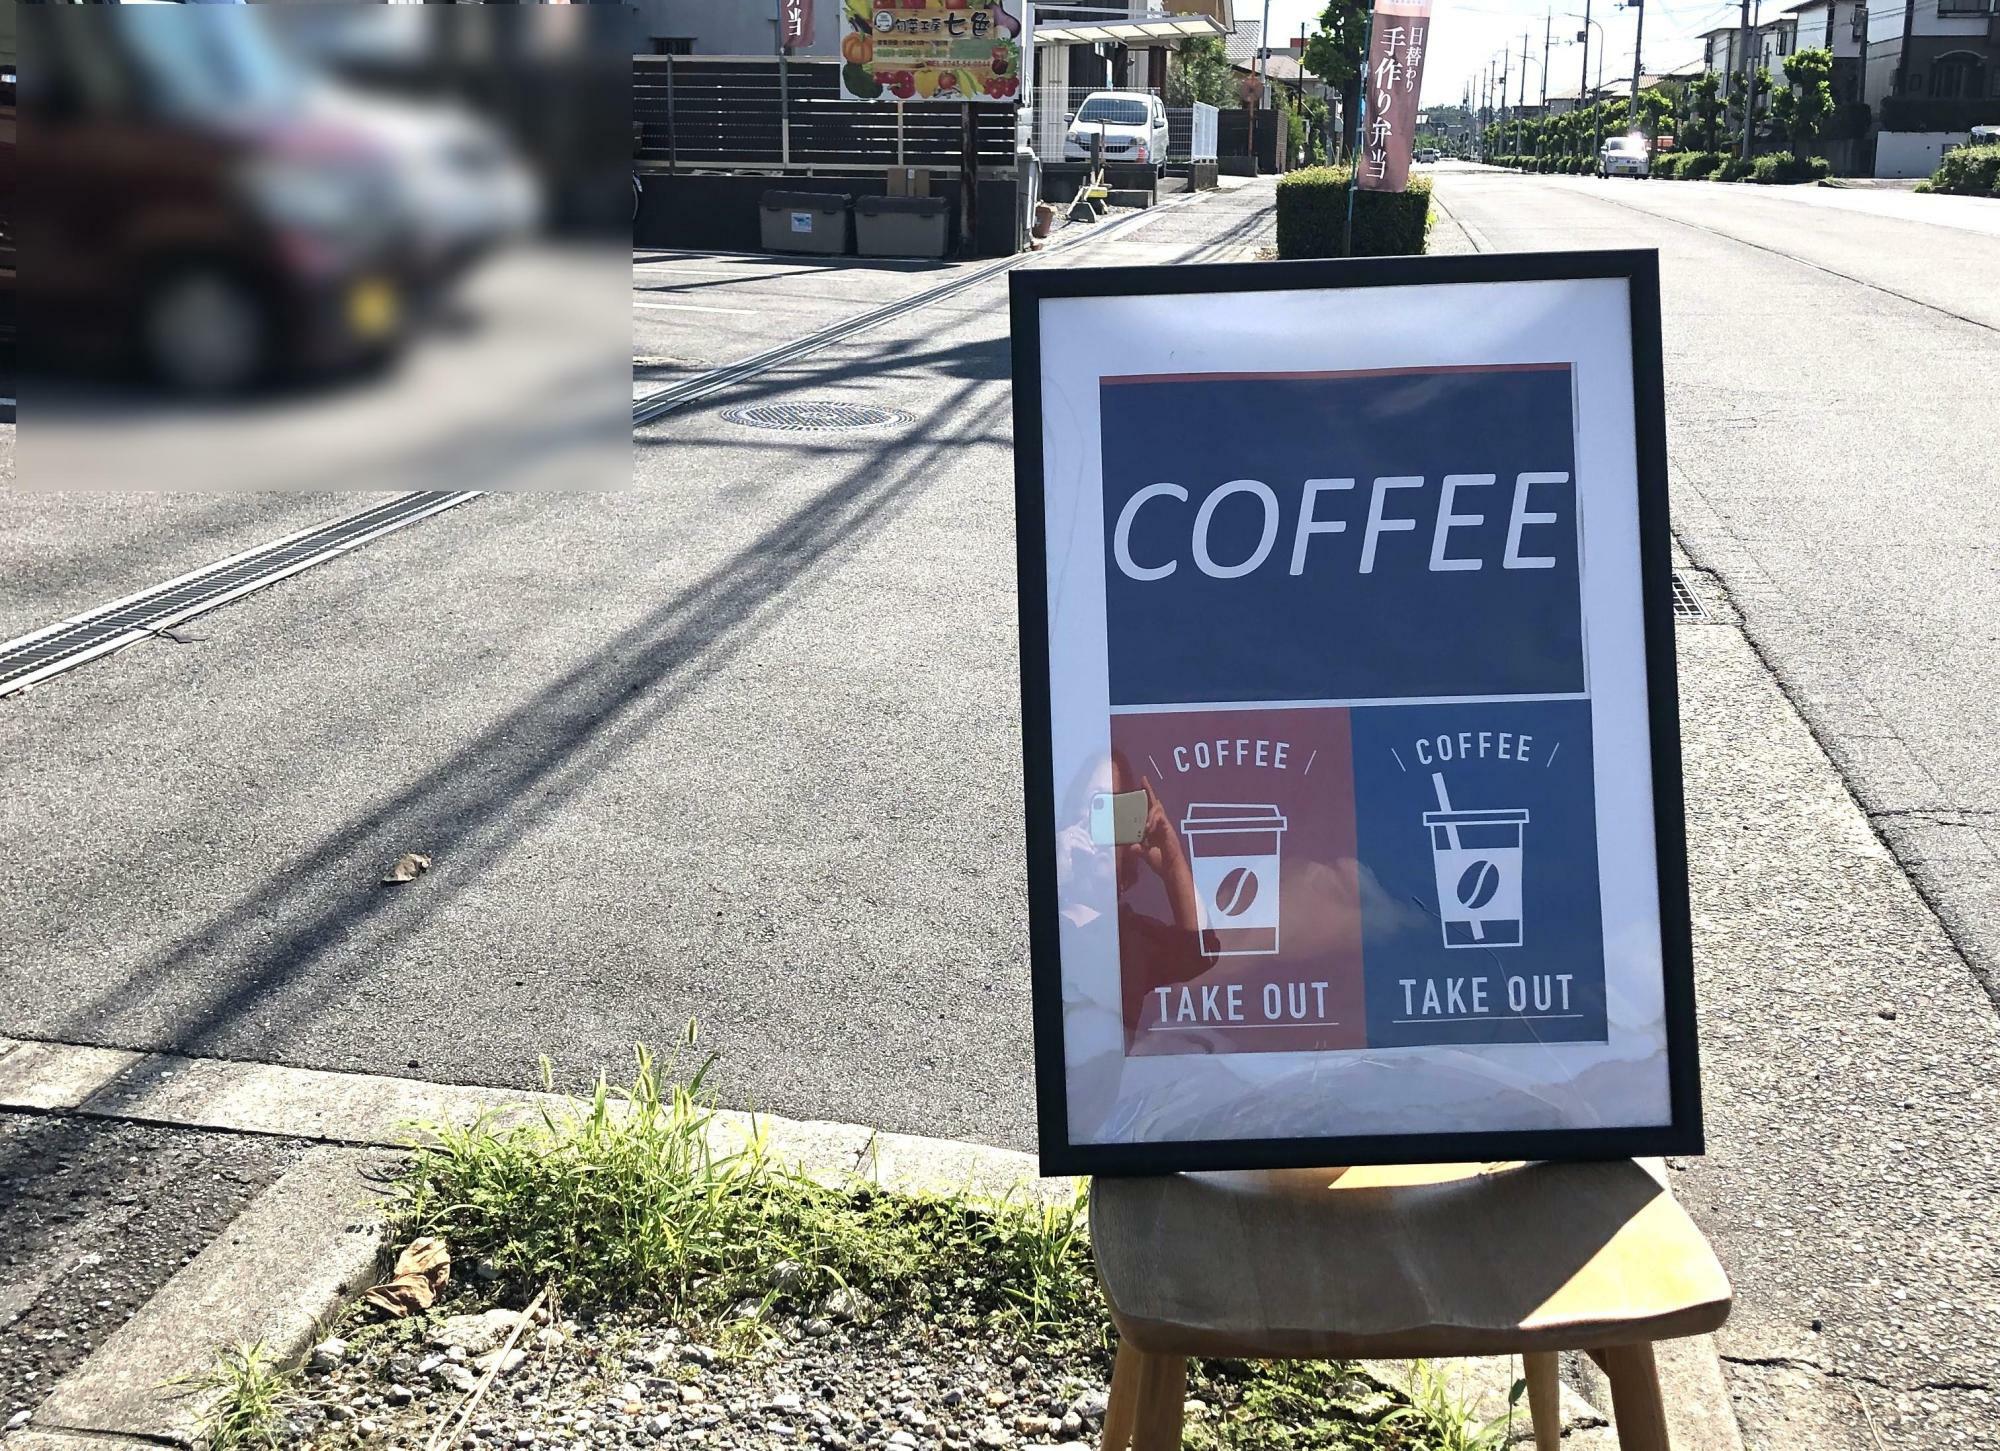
[[814, 417]]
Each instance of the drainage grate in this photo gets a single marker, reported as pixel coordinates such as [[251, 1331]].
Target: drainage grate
[[813, 417], [33, 658], [1687, 604]]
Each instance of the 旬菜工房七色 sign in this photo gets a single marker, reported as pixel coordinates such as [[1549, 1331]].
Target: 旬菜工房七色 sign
[[931, 50], [1352, 753]]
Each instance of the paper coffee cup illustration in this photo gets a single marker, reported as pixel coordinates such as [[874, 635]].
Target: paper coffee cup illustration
[[1476, 856], [1233, 853]]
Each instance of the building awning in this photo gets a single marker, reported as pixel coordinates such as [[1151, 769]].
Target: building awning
[[1141, 30]]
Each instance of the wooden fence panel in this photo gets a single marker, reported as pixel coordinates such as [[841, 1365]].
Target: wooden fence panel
[[691, 113]]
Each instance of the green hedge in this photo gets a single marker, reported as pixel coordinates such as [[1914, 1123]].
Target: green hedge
[[1733, 168], [1697, 164], [1312, 211], [1779, 168], [1668, 164], [1969, 171]]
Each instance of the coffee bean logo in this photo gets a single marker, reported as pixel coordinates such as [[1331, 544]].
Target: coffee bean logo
[[1236, 891], [1477, 886]]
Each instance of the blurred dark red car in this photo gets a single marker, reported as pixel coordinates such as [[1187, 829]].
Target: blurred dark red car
[[182, 208]]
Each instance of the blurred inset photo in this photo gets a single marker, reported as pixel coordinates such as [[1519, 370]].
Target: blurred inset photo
[[290, 228]]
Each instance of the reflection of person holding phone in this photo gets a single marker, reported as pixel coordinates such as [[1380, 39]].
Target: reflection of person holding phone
[[1132, 827], [1119, 838]]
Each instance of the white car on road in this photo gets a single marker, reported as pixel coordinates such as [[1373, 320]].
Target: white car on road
[[1624, 156], [1134, 125]]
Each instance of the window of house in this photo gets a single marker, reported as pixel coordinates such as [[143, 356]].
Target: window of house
[[1960, 76], [1962, 7], [673, 45]]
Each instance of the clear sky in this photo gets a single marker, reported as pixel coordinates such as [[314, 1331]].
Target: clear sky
[[1468, 33]]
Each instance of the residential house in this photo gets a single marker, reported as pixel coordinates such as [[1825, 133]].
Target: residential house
[[1133, 63], [1942, 50], [1722, 54], [1836, 26]]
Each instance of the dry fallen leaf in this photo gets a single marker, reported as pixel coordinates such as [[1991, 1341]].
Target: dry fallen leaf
[[409, 866], [422, 1269]]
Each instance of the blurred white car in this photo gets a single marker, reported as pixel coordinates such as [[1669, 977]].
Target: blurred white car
[[1624, 156], [1134, 124], [465, 192]]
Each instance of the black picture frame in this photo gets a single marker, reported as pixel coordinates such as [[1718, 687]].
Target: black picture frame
[[1639, 270]]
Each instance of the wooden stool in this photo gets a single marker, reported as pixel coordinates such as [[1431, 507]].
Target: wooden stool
[[1399, 1262]]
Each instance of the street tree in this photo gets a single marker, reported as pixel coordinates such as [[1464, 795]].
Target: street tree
[[1758, 98], [1203, 74], [1802, 108], [1703, 107], [1336, 55]]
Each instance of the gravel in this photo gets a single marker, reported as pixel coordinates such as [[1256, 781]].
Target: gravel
[[95, 1217], [626, 1381]]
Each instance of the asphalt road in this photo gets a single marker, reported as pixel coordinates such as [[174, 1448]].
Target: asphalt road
[[1831, 367], [1833, 391], [737, 744]]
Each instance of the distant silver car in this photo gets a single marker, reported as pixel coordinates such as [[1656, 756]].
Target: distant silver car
[[1624, 156], [1427, 156]]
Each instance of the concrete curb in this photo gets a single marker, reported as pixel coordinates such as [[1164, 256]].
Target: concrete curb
[[292, 1257], [288, 1261]]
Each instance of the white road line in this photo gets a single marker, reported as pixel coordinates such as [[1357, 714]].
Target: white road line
[[690, 307]]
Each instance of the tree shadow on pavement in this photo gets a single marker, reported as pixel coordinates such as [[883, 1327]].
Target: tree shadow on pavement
[[296, 934]]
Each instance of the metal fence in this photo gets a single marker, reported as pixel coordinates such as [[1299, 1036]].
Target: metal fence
[[713, 113], [1191, 130]]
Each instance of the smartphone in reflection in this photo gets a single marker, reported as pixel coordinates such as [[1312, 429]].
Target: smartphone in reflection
[[1117, 817]]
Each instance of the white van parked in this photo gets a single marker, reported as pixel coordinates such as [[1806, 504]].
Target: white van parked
[[1134, 124]]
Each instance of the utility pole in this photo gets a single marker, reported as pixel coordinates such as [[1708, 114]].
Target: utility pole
[[1637, 36], [1583, 81], [1548, 22], [1748, 97]]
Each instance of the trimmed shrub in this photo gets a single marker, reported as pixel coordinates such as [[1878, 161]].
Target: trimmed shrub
[[1668, 165], [1782, 167], [1312, 212], [1969, 171], [1697, 164], [1733, 168]]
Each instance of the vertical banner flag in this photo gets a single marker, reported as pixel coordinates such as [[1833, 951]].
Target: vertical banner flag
[[797, 21], [1394, 84]]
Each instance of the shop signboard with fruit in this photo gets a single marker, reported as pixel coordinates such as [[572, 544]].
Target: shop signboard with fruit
[[931, 50]]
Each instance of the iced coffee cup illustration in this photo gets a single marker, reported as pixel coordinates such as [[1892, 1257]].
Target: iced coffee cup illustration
[[1233, 853], [1477, 859]]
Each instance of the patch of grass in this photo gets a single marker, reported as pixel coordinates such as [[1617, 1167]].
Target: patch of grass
[[630, 1197], [624, 1200], [1290, 1405], [255, 1396], [1437, 1417]]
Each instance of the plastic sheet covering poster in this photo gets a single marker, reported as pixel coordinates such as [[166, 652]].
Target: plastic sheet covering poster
[[1353, 735]]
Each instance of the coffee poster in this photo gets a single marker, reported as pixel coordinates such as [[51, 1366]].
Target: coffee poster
[[1355, 725]]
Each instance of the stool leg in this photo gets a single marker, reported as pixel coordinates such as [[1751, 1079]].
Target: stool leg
[[1635, 1397], [1123, 1405], [1162, 1399], [1544, 1398]]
